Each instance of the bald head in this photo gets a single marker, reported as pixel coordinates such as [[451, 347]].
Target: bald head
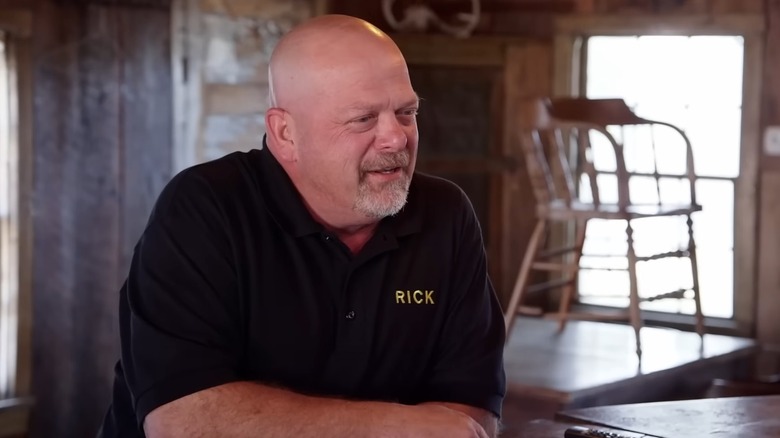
[[343, 120], [308, 57]]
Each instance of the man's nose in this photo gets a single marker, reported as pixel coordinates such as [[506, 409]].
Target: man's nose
[[390, 135]]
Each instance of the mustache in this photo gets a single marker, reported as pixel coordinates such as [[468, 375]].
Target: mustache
[[384, 161]]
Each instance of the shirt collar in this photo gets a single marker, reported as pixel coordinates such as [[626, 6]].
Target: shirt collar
[[282, 199]]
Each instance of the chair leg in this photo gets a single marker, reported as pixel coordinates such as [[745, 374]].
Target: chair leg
[[633, 305], [523, 275], [568, 294], [695, 275]]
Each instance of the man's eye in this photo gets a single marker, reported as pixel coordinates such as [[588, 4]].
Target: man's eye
[[408, 116], [364, 119]]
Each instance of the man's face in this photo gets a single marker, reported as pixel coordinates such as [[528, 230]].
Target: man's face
[[357, 142]]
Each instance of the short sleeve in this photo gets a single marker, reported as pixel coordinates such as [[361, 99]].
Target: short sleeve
[[179, 307], [469, 359]]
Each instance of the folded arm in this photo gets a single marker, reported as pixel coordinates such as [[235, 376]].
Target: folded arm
[[246, 409]]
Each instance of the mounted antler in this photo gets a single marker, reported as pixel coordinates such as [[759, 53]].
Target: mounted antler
[[418, 17]]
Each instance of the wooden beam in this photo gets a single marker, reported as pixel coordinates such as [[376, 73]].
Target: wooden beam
[[768, 304], [146, 4], [528, 73], [18, 4], [320, 7], [746, 194], [21, 53], [450, 8], [102, 145], [444, 50], [77, 132], [736, 24], [146, 133], [770, 111]]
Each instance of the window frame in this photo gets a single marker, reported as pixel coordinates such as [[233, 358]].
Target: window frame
[[570, 59], [16, 30]]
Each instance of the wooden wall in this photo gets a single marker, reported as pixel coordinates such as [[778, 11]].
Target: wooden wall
[[102, 151], [221, 52], [223, 94], [768, 303]]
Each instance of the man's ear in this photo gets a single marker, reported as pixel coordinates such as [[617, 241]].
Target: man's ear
[[279, 127]]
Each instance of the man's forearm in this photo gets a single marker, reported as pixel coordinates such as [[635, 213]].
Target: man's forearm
[[487, 420], [246, 409]]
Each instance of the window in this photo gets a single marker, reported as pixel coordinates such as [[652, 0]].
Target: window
[[701, 78], [695, 83], [9, 279]]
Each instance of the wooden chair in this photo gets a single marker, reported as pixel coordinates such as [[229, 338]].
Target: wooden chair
[[556, 137]]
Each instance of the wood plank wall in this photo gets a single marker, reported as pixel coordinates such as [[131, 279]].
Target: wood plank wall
[[768, 303], [103, 138]]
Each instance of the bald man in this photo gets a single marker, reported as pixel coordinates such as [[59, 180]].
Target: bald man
[[318, 286]]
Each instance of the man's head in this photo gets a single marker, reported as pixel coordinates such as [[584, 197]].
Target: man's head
[[342, 120]]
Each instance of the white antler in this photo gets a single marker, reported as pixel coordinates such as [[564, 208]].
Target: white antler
[[387, 10], [471, 20], [417, 18]]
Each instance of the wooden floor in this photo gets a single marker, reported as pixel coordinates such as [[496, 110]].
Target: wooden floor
[[595, 364]]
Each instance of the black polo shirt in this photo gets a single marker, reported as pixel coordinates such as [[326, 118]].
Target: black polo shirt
[[233, 280]]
